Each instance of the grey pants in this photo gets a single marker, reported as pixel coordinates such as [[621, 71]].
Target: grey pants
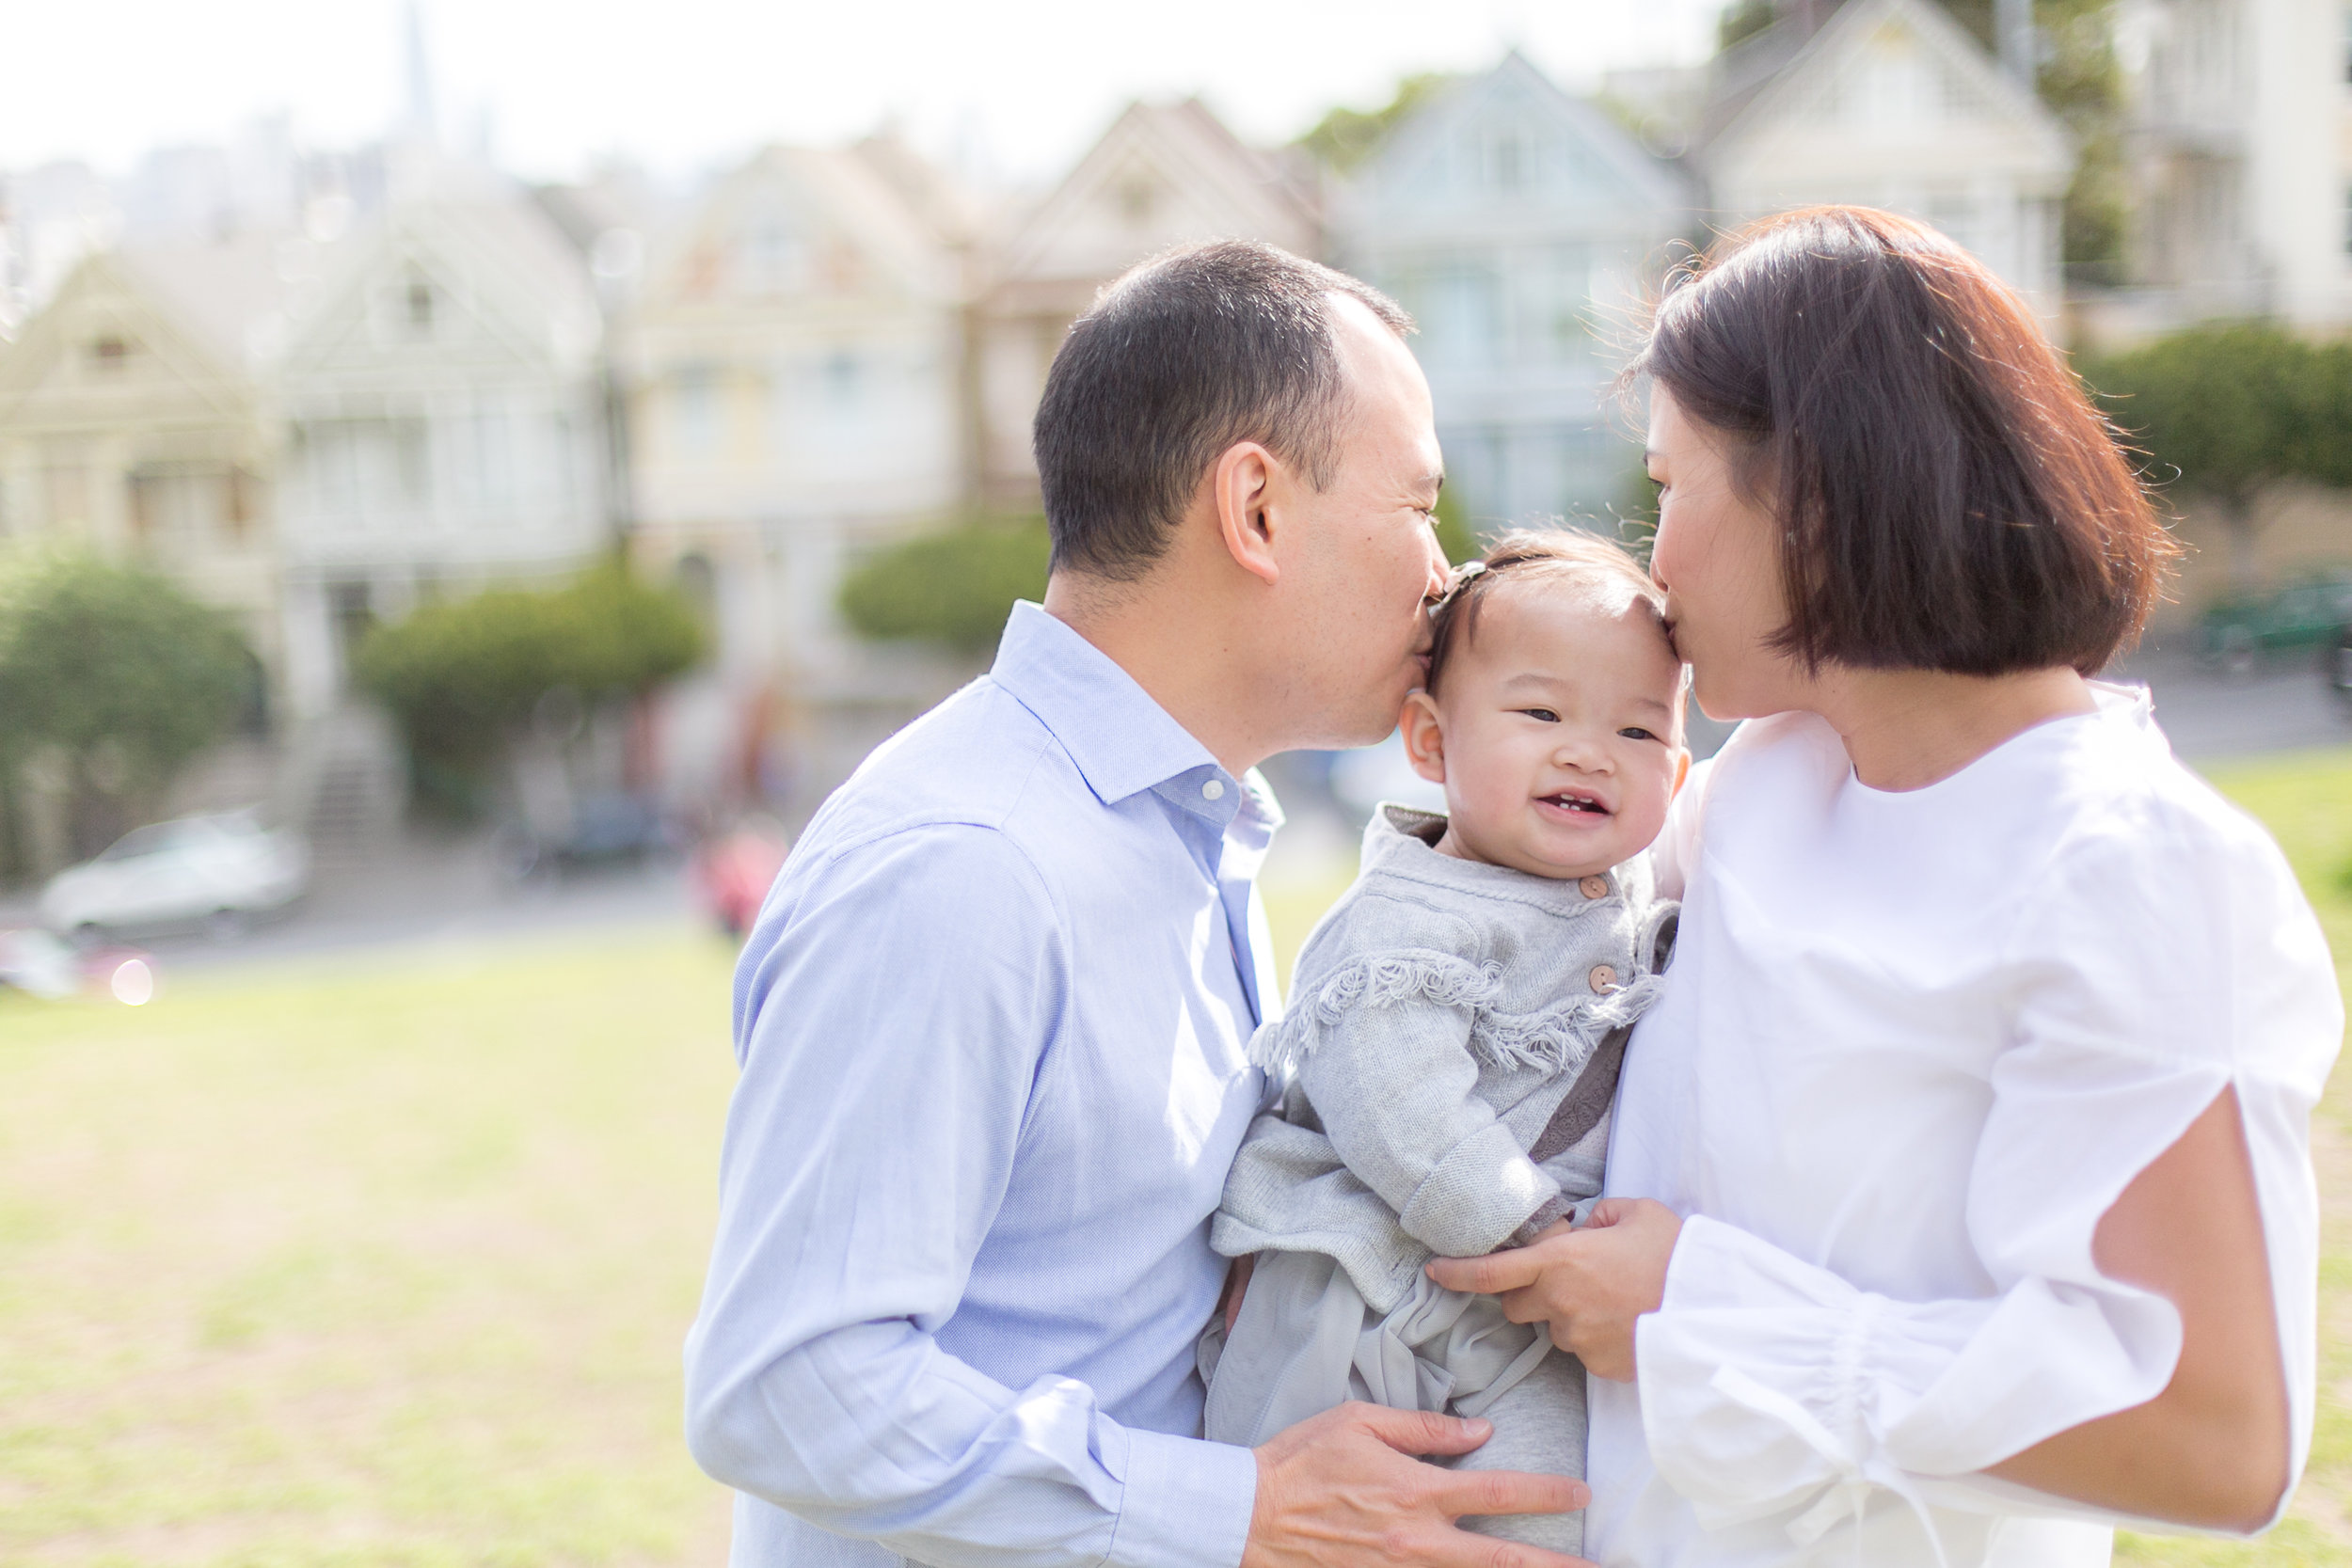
[[1306, 1340]]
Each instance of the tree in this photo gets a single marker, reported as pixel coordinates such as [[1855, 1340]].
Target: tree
[[1343, 137], [953, 588], [121, 676], [461, 676], [1741, 20], [2227, 409]]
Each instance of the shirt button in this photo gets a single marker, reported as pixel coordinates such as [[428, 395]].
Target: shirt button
[[1603, 978], [1594, 887], [1212, 790]]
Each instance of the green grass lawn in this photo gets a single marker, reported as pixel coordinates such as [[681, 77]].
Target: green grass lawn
[[378, 1263], [387, 1260]]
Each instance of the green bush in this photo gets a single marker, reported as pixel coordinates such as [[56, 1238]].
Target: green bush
[[120, 672], [954, 588], [459, 675], [2226, 409]]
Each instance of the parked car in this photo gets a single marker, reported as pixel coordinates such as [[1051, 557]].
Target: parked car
[[219, 872], [2301, 615], [41, 963], [606, 830]]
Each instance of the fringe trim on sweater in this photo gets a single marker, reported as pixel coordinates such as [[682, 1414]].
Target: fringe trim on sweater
[[1555, 1039]]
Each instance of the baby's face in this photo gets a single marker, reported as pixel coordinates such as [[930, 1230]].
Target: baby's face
[[1557, 734]]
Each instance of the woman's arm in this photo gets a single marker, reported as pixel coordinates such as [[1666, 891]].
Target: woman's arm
[[2212, 1449]]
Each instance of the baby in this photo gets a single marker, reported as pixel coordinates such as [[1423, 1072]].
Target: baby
[[1457, 1021]]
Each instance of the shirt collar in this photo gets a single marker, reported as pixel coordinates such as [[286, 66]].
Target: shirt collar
[[1122, 741]]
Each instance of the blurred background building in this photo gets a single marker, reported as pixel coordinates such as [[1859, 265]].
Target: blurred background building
[[320, 387], [1523, 228]]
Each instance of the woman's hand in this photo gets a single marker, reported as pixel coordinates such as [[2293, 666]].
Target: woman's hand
[[1588, 1285]]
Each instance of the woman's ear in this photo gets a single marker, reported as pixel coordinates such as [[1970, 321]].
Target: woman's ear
[[1424, 737]]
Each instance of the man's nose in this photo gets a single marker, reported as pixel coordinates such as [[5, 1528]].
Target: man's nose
[[1440, 570]]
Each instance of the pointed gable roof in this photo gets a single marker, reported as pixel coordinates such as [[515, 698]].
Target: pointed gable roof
[[1781, 79], [507, 280], [198, 320], [1162, 175], [1508, 144], [794, 221]]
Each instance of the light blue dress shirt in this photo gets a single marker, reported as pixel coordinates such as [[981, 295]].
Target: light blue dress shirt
[[991, 1025]]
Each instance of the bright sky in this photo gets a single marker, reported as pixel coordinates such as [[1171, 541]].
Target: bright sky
[[681, 84]]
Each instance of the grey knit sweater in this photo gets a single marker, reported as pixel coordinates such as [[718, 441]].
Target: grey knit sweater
[[1442, 1017]]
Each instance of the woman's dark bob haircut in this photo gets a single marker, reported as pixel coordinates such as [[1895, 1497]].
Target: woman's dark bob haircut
[[1950, 499]]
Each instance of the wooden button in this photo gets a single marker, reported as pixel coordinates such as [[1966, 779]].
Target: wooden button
[[1594, 887], [1604, 979]]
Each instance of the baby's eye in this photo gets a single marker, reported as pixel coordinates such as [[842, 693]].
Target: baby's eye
[[1635, 732], [1541, 715]]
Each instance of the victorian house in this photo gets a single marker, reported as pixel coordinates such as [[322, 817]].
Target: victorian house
[[1163, 175], [1521, 226], [135, 421], [2240, 147], [1890, 104], [793, 366], [444, 415]]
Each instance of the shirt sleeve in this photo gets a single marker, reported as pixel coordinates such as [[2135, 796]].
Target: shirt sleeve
[[2153, 969], [1389, 1070], [892, 1013]]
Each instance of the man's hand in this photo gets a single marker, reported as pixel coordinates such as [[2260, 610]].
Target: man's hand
[[1588, 1285], [1341, 1490]]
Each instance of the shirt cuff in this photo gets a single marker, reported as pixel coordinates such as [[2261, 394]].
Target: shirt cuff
[[1183, 1503]]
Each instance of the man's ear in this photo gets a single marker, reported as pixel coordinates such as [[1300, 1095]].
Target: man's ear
[[1425, 739], [1242, 486], [1682, 770]]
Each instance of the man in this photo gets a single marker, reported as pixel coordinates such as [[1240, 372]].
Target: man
[[992, 1020]]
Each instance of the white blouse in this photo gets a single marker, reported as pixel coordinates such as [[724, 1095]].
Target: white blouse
[[1912, 1048]]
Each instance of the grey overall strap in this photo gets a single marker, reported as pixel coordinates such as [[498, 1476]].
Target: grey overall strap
[[1588, 1101]]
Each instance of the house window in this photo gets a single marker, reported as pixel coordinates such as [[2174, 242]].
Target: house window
[[1135, 199], [842, 378], [1506, 159], [694, 409], [417, 308], [110, 354], [771, 254]]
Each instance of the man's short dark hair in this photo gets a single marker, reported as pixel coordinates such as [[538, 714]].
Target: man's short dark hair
[[1175, 363], [1948, 496]]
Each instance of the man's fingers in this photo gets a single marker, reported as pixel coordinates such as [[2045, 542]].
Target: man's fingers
[[1422, 1431], [1466, 1492], [1488, 1276], [1457, 1549]]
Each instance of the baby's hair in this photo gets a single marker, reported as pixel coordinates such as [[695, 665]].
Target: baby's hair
[[1606, 570]]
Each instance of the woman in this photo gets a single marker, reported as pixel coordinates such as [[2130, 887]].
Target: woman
[[1963, 1202]]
